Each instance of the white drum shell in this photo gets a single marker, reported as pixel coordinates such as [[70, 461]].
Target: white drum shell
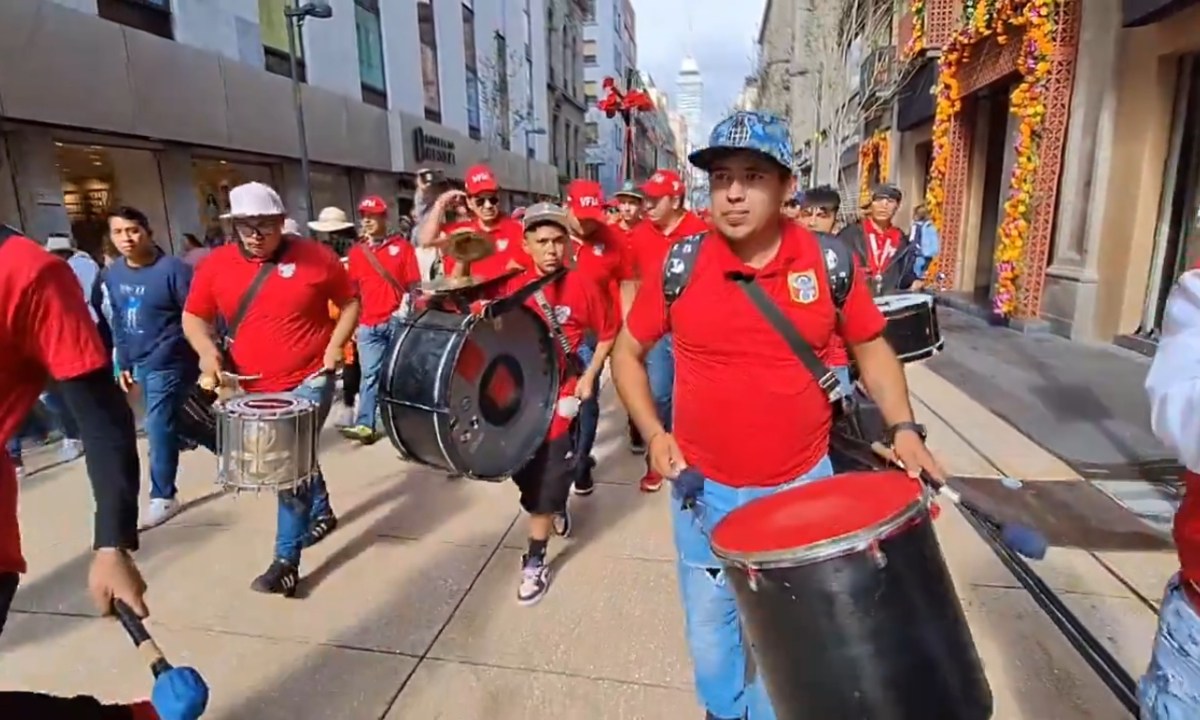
[[267, 441]]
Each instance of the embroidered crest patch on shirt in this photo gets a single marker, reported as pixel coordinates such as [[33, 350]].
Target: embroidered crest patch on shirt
[[803, 287]]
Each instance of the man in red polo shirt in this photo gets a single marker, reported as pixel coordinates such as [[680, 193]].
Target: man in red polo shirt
[[574, 307], [47, 333], [598, 256], [748, 416], [1171, 686], [482, 200], [286, 342], [667, 221], [384, 268]]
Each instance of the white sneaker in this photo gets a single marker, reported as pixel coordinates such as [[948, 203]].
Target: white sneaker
[[160, 511], [344, 417], [70, 450]]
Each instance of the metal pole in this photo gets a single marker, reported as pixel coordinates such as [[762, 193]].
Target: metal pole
[[298, 103]]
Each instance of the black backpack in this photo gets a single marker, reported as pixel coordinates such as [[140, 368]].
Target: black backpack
[[681, 262]]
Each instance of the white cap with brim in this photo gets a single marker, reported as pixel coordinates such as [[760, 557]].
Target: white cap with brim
[[331, 219], [254, 199]]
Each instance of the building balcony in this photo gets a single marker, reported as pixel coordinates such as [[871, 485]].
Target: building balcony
[[939, 21], [879, 72]]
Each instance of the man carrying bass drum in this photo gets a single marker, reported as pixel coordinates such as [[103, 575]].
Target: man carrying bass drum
[[276, 291]]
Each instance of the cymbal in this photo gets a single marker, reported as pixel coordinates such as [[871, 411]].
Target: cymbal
[[447, 284], [469, 246]]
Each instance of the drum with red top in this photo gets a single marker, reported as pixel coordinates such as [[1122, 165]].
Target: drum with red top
[[848, 605]]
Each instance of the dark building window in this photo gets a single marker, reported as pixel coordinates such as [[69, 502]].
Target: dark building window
[[152, 16]]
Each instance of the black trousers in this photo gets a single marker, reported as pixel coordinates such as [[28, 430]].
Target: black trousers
[[39, 706], [351, 381]]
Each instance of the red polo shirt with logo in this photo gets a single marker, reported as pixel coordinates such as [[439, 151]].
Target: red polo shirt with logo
[[380, 298], [287, 328], [508, 237], [649, 243], [46, 332], [747, 412]]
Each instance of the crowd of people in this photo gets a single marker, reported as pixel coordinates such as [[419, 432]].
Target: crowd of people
[[640, 283]]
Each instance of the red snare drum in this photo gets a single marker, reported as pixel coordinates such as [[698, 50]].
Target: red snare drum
[[848, 604]]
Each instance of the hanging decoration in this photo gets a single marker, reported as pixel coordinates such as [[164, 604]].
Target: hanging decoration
[[873, 154], [1034, 21], [625, 104], [916, 42]]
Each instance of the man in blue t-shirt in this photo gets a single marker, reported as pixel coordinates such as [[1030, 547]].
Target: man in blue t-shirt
[[147, 290]]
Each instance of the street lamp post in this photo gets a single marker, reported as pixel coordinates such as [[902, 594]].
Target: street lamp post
[[295, 17], [530, 132]]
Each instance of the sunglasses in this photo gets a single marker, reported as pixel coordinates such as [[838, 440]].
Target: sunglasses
[[487, 200], [257, 227]]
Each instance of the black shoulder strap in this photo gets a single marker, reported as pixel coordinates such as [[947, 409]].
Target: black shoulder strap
[[681, 261], [252, 291], [825, 377], [839, 266]]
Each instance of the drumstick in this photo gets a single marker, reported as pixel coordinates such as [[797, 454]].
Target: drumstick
[[182, 689], [141, 638], [1023, 539]]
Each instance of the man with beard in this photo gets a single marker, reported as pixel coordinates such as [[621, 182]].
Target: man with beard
[[667, 222], [286, 342], [384, 267], [749, 416], [482, 201]]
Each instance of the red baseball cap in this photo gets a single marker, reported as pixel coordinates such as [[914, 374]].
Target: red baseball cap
[[480, 180], [586, 200], [372, 205], [663, 183]]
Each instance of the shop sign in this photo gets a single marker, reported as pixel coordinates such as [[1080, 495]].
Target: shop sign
[[431, 148]]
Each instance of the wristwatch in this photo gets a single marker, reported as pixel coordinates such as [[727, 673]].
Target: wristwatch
[[916, 427]]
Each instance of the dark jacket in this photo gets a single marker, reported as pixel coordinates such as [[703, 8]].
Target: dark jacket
[[900, 273]]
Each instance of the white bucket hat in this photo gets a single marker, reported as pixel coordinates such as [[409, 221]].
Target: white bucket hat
[[253, 199], [331, 219]]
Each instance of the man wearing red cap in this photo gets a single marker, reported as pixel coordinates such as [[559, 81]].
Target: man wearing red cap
[[667, 222], [483, 201], [383, 267], [599, 256]]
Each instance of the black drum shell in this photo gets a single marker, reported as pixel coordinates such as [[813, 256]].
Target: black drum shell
[[913, 331], [847, 639]]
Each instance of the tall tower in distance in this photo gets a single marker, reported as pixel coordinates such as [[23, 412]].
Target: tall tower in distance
[[689, 98]]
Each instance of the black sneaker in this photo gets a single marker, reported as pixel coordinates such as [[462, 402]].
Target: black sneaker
[[535, 580], [585, 483], [320, 529], [562, 523], [279, 579], [636, 444]]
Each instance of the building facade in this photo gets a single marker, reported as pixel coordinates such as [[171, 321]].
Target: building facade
[[654, 143], [565, 87], [610, 51], [167, 105]]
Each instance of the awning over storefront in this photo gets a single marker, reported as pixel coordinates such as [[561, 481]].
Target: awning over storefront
[[916, 101], [1147, 12]]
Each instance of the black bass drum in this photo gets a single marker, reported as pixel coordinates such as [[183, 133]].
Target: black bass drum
[[469, 394]]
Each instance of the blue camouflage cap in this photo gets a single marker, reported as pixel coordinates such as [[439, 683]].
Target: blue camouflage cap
[[759, 132]]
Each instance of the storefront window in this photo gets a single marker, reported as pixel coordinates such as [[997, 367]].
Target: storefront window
[[96, 179], [214, 179]]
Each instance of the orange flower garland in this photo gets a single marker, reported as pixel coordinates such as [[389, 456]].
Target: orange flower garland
[[874, 151], [999, 18], [916, 42]]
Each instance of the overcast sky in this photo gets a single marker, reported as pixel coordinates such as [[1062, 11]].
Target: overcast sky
[[721, 37]]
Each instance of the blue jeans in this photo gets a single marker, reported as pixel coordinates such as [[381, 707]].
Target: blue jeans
[[299, 508], [373, 343], [843, 376], [589, 412], [660, 367], [1170, 689], [714, 631], [60, 414], [163, 393]]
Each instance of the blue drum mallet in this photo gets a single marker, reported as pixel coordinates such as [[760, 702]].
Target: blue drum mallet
[[179, 693]]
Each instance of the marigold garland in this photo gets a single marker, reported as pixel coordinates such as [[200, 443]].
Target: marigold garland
[[916, 42], [874, 152], [999, 19]]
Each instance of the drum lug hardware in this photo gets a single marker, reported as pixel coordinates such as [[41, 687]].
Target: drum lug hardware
[[877, 556]]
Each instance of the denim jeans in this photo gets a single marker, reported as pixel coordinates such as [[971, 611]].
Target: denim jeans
[[714, 631], [163, 393], [1170, 689], [299, 508], [373, 343], [660, 366], [589, 412], [60, 414], [843, 376]]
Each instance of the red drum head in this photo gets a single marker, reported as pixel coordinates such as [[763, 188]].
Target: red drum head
[[817, 513]]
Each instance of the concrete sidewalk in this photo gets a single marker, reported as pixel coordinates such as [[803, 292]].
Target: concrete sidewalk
[[410, 613]]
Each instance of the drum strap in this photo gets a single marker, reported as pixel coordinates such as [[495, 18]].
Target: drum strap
[[373, 259], [252, 291], [803, 351], [556, 330]]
